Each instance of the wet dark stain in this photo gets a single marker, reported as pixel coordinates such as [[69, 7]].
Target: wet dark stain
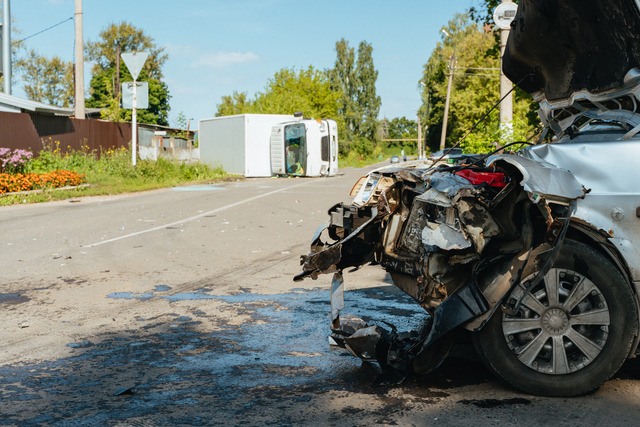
[[12, 298], [425, 393], [494, 403], [74, 281]]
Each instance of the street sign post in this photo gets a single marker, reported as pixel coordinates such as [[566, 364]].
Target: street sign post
[[142, 95], [134, 62]]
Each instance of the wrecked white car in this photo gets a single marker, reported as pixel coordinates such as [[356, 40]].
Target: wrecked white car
[[536, 253]]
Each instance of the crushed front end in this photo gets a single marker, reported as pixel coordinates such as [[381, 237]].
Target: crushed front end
[[454, 237]]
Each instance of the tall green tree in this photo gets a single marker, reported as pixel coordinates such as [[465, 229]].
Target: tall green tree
[[48, 80], [103, 52], [344, 82], [368, 102], [475, 89], [359, 105]]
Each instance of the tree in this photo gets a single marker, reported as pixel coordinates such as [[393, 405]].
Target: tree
[[359, 106], [368, 102], [306, 90], [103, 51], [343, 81], [403, 128], [233, 104], [103, 79], [475, 89], [47, 80]]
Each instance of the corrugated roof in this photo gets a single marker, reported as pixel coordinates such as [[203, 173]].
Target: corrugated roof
[[14, 104], [28, 106]]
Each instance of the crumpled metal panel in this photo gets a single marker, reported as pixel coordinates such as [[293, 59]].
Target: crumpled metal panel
[[435, 197], [447, 183], [444, 236], [542, 178], [605, 167], [613, 180], [478, 223]]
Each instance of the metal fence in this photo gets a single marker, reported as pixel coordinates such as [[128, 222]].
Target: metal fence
[[30, 131]]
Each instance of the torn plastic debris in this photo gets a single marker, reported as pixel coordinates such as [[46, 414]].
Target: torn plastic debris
[[399, 354]]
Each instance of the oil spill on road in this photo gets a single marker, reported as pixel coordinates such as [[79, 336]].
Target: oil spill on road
[[12, 298], [179, 374], [494, 403]]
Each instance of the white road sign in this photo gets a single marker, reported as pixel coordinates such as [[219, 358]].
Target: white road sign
[[142, 95], [504, 14], [135, 61]]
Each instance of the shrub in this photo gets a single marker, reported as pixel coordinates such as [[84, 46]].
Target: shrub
[[14, 161], [10, 183]]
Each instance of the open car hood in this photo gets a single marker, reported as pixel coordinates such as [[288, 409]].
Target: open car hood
[[559, 47]]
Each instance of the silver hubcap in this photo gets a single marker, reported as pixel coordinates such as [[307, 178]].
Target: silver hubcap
[[562, 324]]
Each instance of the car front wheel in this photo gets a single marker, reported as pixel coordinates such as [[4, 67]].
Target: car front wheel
[[571, 332]]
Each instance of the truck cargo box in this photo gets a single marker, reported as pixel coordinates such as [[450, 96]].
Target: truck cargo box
[[239, 143]]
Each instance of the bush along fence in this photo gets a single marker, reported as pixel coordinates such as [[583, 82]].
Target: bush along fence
[[14, 179]]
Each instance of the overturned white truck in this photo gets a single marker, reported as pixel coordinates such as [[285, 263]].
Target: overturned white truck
[[263, 145]]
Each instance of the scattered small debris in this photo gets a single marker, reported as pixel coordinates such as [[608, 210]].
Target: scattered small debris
[[123, 391], [81, 344]]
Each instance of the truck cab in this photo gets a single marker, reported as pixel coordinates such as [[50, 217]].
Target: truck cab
[[305, 147]]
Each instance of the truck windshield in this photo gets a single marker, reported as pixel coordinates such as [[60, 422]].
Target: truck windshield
[[295, 144]]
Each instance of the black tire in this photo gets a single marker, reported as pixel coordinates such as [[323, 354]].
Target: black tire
[[568, 340]]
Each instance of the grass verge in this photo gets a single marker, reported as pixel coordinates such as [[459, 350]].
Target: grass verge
[[111, 172]]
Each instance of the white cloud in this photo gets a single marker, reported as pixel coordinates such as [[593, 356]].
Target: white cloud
[[225, 59]]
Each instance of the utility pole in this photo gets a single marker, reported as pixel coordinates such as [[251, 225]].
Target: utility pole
[[419, 137], [503, 16], [117, 88], [79, 87], [452, 64], [6, 46]]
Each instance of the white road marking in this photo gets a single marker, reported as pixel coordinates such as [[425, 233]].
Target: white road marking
[[182, 221]]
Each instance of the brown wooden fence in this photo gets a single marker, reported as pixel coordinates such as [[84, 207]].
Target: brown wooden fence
[[29, 131]]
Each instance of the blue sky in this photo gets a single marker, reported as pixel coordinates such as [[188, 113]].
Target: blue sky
[[218, 46]]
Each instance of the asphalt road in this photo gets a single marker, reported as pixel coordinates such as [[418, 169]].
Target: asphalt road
[[178, 307]]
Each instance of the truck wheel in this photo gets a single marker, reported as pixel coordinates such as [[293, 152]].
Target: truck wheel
[[572, 332]]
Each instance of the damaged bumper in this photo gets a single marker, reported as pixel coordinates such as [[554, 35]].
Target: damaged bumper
[[456, 239]]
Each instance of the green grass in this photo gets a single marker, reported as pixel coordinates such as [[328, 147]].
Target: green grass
[[111, 172]]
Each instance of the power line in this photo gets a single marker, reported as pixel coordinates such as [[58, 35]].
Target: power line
[[46, 29]]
